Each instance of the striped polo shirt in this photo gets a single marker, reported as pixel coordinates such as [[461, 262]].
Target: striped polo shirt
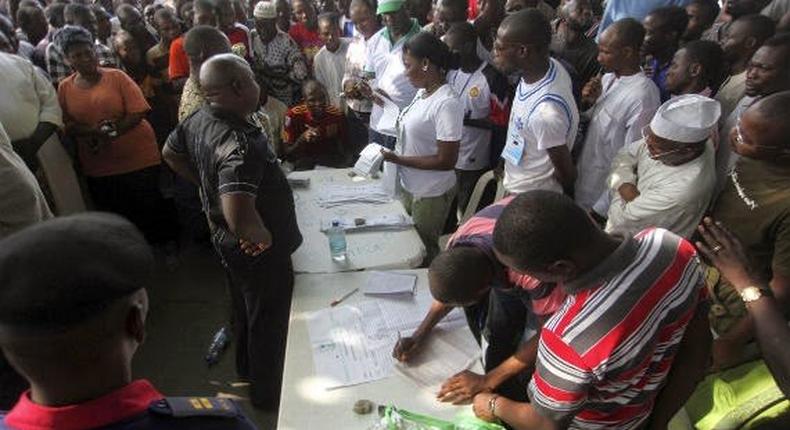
[[605, 354], [478, 231]]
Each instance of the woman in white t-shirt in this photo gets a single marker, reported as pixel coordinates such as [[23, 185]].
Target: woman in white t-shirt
[[429, 134]]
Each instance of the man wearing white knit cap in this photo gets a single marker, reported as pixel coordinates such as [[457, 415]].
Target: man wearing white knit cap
[[666, 179], [278, 60]]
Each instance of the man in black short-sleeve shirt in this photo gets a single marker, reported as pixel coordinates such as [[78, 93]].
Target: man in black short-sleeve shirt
[[251, 214]]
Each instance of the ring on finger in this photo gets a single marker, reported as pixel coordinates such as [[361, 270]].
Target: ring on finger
[[716, 249]]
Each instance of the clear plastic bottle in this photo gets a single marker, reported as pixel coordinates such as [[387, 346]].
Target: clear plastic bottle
[[337, 242]]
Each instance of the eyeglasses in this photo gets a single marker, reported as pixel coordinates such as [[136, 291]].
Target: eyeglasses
[[740, 141], [661, 155]]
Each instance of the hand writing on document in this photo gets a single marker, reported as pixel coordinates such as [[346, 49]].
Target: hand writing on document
[[406, 349]]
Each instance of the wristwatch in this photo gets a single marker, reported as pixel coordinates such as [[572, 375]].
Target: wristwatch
[[752, 293], [492, 405]]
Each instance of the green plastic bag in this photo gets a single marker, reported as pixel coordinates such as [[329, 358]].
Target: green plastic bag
[[393, 418]]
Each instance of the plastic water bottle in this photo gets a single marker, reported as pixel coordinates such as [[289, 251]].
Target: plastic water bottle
[[218, 345], [337, 242]]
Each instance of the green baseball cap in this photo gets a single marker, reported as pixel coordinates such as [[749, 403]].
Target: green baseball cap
[[389, 6]]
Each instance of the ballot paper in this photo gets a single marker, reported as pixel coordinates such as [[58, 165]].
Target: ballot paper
[[405, 313], [340, 195], [370, 159], [346, 349], [352, 343], [389, 283], [386, 222], [437, 361], [388, 120]]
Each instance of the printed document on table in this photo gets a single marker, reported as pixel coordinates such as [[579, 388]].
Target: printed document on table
[[340, 195], [352, 344], [405, 313], [386, 283], [436, 362], [347, 347]]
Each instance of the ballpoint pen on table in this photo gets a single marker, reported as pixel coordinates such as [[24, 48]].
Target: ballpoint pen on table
[[345, 296]]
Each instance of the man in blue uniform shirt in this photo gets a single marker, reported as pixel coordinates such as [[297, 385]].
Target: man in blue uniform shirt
[[72, 314]]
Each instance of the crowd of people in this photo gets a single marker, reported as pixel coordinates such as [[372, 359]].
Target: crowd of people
[[637, 269]]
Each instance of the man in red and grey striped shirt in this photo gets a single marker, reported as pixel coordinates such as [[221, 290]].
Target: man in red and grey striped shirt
[[606, 356], [501, 305]]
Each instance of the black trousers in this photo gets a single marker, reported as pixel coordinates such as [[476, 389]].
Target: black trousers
[[137, 197], [358, 132], [260, 291]]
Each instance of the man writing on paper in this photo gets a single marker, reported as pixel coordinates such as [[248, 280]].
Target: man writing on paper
[[500, 305], [630, 342]]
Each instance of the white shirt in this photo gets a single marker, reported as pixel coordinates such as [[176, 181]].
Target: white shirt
[[421, 124], [26, 98], [356, 57], [385, 60], [475, 94], [329, 68], [543, 116], [625, 106], [21, 201], [671, 197]]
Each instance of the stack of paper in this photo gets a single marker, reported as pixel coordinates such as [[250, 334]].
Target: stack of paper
[[370, 159], [341, 195], [389, 283], [370, 223]]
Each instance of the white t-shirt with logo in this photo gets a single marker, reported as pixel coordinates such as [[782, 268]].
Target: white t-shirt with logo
[[385, 60], [473, 90], [544, 116], [438, 117]]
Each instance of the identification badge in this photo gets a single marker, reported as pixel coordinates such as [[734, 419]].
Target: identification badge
[[514, 149]]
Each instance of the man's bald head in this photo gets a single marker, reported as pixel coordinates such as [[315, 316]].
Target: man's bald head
[[527, 27], [228, 83], [221, 70], [763, 129], [772, 111]]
